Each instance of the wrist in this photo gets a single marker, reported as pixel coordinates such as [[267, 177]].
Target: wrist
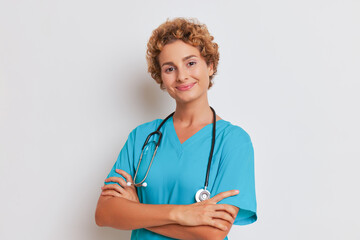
[[175, 213]]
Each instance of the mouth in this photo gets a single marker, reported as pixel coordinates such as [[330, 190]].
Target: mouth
[[185, 87]]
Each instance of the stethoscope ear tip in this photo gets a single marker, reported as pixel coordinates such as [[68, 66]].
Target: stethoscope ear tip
[[144, 184]]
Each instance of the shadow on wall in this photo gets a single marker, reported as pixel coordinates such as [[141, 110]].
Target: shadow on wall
[[140, 99], [146, 101], [154, 100], [106, 233], [137, 94]]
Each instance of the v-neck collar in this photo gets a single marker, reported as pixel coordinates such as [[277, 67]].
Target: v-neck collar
[[207, 129]]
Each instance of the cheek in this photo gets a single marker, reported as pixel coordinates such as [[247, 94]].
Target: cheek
[[168, 78], [200, 74], [167, 84], [200, 71], [167, 81], [196, 72]]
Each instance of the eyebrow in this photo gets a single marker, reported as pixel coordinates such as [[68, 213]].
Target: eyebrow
[[184, 59]]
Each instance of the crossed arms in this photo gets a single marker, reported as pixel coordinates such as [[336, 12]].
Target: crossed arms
[[119, 207]]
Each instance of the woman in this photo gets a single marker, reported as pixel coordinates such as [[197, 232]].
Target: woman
[[183, 59]]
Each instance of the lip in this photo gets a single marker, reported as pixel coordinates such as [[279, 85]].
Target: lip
[[185, 87]]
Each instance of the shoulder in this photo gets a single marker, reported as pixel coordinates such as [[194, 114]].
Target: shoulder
[[145, 128], [234, 132], [235, 143], [148, 125]]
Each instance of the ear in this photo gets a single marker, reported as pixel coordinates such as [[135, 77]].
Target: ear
[[211, 69]]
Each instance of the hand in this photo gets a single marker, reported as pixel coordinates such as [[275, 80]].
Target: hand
[[124, 191], [206, 212]]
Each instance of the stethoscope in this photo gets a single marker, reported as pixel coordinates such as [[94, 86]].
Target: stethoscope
[[202, 194]]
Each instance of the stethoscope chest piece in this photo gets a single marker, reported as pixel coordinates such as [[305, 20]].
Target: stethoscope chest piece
[[202, 195]]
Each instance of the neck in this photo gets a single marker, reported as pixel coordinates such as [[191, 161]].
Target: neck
[[194, 113]]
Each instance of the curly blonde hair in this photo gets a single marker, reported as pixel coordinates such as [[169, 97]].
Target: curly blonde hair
[[189, 31]]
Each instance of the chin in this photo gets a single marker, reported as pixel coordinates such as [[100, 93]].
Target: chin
[[186, 100]]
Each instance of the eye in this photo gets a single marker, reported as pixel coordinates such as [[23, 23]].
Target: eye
[[169, 69], [191, 63]]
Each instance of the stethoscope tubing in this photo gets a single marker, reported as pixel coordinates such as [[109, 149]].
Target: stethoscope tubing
[[158, 132], [211, 149]]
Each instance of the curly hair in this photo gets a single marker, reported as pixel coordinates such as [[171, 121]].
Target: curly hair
[[189, 31]]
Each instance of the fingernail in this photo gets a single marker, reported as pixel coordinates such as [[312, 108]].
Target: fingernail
[[237, 191]]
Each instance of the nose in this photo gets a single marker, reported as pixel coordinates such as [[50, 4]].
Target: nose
[[182, 75]]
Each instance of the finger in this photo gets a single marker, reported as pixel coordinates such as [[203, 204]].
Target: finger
[[232, 210], [226, 208], [125, 175], [118, 180], [217, 224], [110, 193], [222, 195], [114, 187], [224, 216]]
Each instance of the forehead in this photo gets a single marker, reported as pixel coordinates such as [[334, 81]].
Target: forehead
[[176, 51]]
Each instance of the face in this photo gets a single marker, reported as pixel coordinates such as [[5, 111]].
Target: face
[[184, 72]]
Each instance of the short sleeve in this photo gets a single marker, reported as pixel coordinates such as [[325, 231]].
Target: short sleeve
[[236, 172], [125, 159]]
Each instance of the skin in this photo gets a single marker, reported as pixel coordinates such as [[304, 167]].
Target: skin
[[182, 65], [185, 76]]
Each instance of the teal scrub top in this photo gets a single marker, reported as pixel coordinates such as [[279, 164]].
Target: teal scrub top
[[179, 170]]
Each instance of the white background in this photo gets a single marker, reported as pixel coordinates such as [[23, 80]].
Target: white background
[[74, 83]]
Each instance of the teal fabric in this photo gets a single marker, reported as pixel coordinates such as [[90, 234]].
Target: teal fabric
[[178, 170]]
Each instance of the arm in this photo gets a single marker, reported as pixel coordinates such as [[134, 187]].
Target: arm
[[196, 232], [116, 210], [124, 214], [121, 213]]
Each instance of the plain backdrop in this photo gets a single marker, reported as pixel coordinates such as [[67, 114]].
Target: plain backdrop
[[74, 83]]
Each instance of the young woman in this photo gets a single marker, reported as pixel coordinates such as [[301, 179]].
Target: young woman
[[199, 181]]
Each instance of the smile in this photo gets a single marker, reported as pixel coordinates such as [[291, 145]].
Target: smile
[[185, 87]]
